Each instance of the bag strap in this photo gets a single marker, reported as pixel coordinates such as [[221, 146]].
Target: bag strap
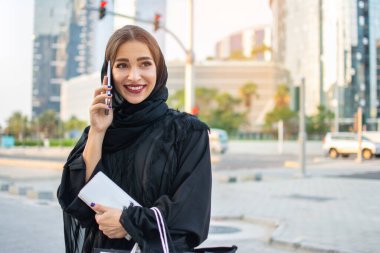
[[161, 229]]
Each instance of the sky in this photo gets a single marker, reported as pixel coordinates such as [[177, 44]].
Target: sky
[[213, 20]]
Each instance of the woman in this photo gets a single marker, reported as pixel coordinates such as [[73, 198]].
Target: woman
[[159, 156]]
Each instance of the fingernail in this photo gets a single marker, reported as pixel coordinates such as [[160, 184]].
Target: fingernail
[[110, 106], [92, 204], [109, 94], [109, 86]]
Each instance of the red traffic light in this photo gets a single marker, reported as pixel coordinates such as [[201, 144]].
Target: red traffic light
[[102, 9], [103, 4], [156, 22]]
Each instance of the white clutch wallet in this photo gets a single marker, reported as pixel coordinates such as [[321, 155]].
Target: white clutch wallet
[[102, 190]]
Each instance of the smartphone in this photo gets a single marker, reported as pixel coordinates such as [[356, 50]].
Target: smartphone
[[109, 78]]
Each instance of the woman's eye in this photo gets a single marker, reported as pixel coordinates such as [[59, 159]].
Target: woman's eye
[[146, 64], [121, 65]]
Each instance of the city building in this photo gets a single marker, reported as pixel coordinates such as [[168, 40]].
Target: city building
[[67, 43], [225, 76], [49, 58], [253, 43], [333, 45]]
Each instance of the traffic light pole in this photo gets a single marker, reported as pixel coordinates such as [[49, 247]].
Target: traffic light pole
[[360, 132], [189, 67], [302, 132]]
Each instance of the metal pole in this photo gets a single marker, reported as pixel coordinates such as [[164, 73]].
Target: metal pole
[[336, 127], [189, 68], [302, 133], [280, 136], [360, 129]]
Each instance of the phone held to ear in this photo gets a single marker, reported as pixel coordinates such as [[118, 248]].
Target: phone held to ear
[[108, 100]]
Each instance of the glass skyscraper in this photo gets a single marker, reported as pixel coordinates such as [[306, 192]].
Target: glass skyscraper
[[334, 45], [65, 46], [49, 58]]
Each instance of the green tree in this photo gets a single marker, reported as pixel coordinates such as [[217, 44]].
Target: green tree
[[18, 126], [74, 124], [320, 123], [218, 110], [248, 91], [177, 100], [282, 96], [282, 111], [226, 115], [48, 123]]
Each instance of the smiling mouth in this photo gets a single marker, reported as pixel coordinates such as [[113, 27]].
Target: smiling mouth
[[134, 88]]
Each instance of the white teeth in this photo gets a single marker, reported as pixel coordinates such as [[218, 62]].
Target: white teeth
[[135, 87]]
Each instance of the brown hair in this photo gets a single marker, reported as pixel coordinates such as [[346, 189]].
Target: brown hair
[[134, 33]]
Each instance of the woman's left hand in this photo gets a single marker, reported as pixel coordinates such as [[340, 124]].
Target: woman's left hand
[[108, 221]]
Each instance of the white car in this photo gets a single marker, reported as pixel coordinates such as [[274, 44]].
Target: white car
[[218, 140], [345, 143]]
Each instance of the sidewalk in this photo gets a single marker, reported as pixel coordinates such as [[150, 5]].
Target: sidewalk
[[321, 213]]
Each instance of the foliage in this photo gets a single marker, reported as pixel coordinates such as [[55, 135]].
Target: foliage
[[247, 91], [216, 109], [282, 96], [48, 123], [237, 55], [30, 143], [177, 100], [260, 50], [225, 114], [62, 142], [74, 124], [321, 122], [18, 126], [281, 111]]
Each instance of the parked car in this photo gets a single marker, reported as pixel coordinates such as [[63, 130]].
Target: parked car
[[345, 144], [218, 140]]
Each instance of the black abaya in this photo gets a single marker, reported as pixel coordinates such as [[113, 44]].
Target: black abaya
[[167, 166]]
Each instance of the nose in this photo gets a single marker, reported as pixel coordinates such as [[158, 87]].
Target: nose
[[134, 74]]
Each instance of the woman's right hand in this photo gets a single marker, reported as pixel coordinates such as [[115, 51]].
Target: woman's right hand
[[99, 121]]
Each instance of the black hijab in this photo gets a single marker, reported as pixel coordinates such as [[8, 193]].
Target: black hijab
[[130, 120]]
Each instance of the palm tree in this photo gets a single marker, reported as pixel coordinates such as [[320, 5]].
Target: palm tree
[[282, 96], [49, 123], [247, 92], [17, 125]]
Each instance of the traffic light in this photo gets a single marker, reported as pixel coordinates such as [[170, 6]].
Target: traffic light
[[102, 9], [156, 23]]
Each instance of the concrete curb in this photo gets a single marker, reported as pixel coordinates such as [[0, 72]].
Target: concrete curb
[[258, 176], [27, 191], [298, 245], [275, 241], [25, 163]]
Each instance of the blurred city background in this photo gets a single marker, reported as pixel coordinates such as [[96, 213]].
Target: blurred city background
[[290, 89]]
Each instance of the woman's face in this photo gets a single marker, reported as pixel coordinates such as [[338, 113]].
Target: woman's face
[[134, 71]]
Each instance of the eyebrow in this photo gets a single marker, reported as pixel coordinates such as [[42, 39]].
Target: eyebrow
[[138, 59]]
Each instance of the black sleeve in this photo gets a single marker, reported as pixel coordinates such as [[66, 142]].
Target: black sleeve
[[73, 180], [187, 211]]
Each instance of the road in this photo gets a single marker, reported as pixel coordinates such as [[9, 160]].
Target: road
[[35, 224]]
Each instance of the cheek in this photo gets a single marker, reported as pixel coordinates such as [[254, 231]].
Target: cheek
[[152, 75]]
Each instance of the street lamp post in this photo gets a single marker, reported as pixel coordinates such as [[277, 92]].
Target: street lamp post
[[302, 131]]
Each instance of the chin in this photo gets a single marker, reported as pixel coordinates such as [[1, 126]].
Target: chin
[[134, 100]]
